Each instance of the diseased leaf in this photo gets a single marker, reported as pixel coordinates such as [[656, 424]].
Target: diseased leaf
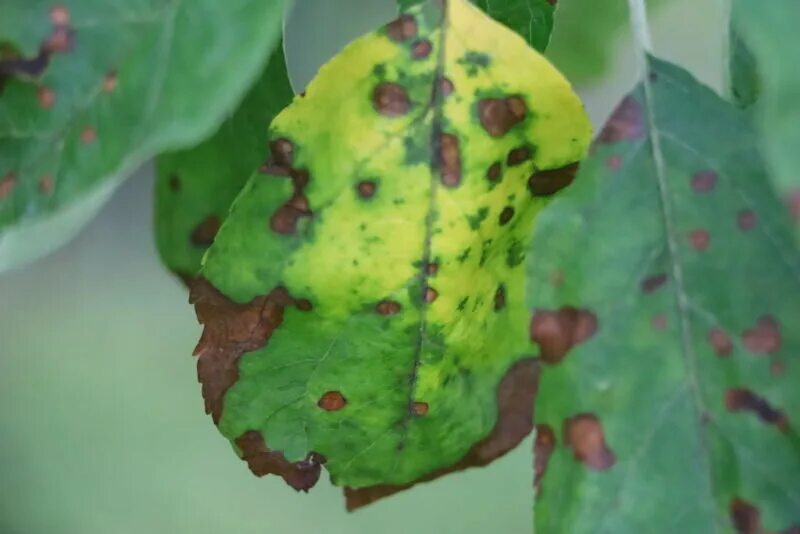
[[363, 302], [196, 187], [89, 89], [665, 311], [532, 19], [769, 31]]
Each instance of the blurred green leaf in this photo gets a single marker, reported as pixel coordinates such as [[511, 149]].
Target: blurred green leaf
[[91, 89], [532, 19], [665, 309], [195, 187], [769, 30], [745, 85], [363, 302]]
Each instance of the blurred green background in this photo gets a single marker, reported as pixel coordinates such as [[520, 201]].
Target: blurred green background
[[101, 419]]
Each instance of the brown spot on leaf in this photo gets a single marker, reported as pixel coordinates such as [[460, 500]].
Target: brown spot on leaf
[[281, 154], [110, 82], [506, 215], [614, 162], [7, 185], [746, 220], [88, 135], [303, 305], [366, 189], [229, 330], [420, 409], [432, 268], [59, 15], [446, 86], [449, 160], [700, 239], [746, 518], [704, 181], [174, 183], [651, 283], [204, 233], [499, 115], [777, 368], [556, 332], [431, 294], [550, 182], [743, 399], [721, 342], [388, 307], [61, 40], [46, 184], [543, 447], [284, 220], [302, 475], [402, 29], [46, 97], [793, 200], [500, 297], [626, 123], [421, 49], [659, 322], [494, 172], [584, 435], [518, 156], [764, 337], [332, 401], [390, 99], [515, 396]]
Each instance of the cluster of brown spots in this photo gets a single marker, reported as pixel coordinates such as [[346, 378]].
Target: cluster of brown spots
[[421, 49], [284, 220], [626, 123], [659, 322], [446, 86], [430, 295], [46, 184], [449, 161], [7, 184], [743, 399], [366, 188], [543, 447], [500, 297], [651, 283], [549, 182], [584, 435], [204, 233], [332, 401], [388, 307], [614, 162], [88, 135], [402, 28], [390, 99], [746, 220], [229, 330], [704, 181], [494, 172], [506, 215], [302, 475], [420, 409], [46, 97], [764, 337], [174, 183], [700, 239], [431, 268], [746, 518], [515, 396], [110, 81], [721, 342], [518, 156], [499, 115], [556, 332]]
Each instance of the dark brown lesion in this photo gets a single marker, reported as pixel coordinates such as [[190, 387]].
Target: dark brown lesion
[[281, 163], [261, 460], [391, 99], [558, 331], [543, 447], [515, 396], [449, 160], [499, 115], [743, 399], [584, 434], [506, 215], [549, 182], [388, 307], [494, 172], [231, 329], [421, 49], [402, 28], [652, 283], [204, 233], [519, 155], [500, 297], [765, 337], [626, 123], [746, 518], [332, 401]]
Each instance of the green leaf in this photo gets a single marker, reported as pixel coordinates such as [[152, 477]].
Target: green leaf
[[195, 187], [532, 19], [363, 302], [92, 90], [745, 85], [769, 31], [665, 310]]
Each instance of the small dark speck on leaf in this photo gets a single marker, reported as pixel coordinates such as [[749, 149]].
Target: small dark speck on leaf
[[543, 447], [743, 399], [721, 342], [746, 220], [700, 239], [420, 409], [704, 181], [651, 283], [204, 233], [421, 49]]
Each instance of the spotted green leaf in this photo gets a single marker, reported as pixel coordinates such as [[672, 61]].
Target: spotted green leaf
[[89, 89], [532, 19], [363, 302], [195, 187], [665, 309], [769, 31]]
